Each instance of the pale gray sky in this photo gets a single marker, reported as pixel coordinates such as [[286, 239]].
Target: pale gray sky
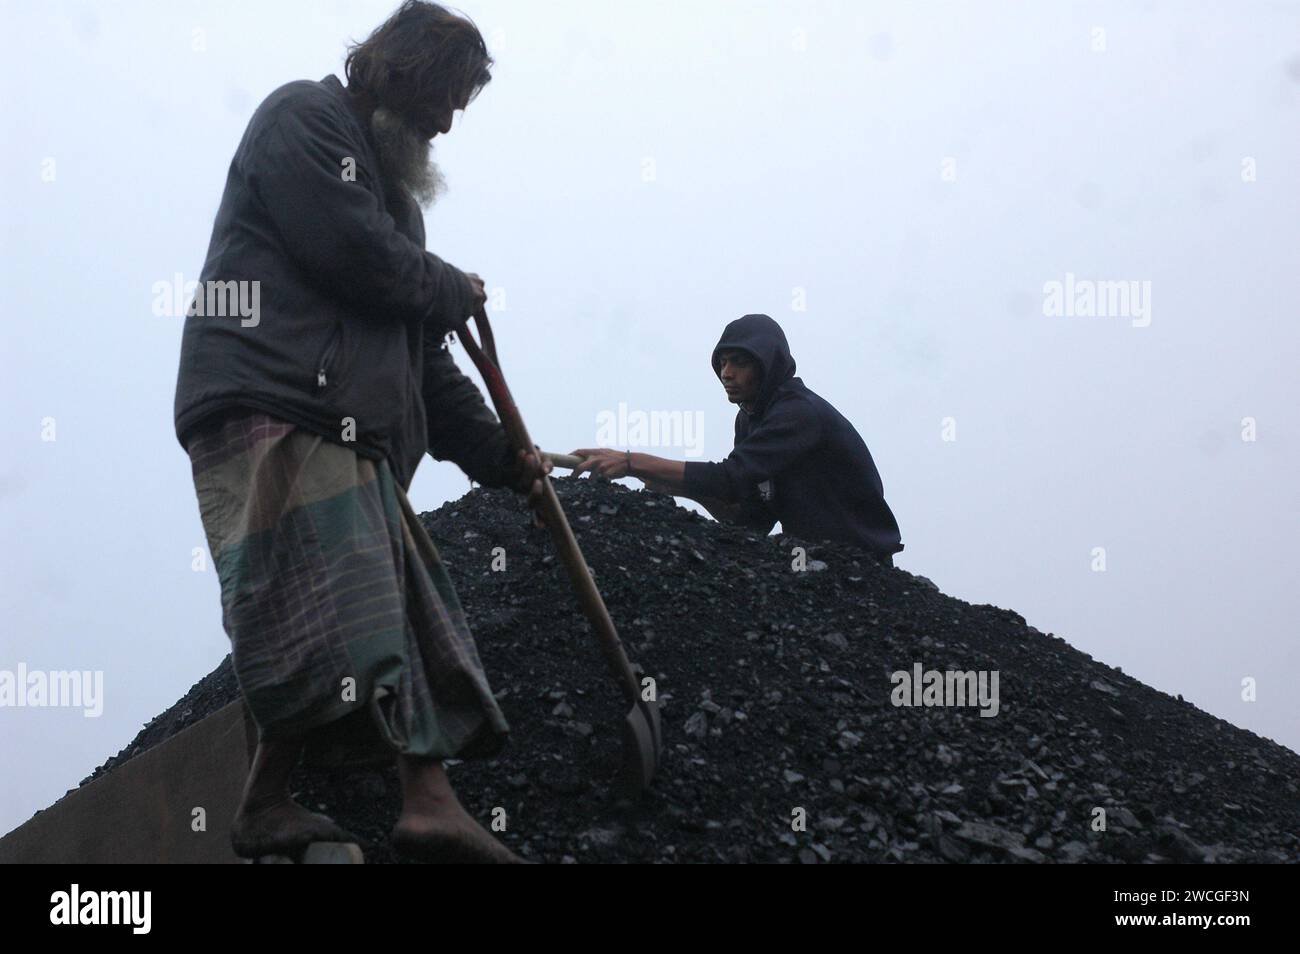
[[638, 174]]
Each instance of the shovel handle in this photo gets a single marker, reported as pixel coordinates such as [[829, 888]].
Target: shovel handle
[[552, 512]]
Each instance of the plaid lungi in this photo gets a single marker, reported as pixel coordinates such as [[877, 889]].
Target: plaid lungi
[[338, 608]]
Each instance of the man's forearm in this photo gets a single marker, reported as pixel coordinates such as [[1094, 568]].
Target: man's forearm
[[461, 427], [659, 470], [670, 477]]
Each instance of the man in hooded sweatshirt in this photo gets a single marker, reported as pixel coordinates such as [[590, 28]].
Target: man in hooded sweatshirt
[[796, 459]]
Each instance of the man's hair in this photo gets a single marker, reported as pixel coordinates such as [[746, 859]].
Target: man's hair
[[420, 53]]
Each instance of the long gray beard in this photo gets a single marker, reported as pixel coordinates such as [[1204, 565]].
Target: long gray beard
[[404, 156]]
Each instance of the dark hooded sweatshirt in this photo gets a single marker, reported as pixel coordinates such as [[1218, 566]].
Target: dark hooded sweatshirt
[[353, 311], [796, 458]]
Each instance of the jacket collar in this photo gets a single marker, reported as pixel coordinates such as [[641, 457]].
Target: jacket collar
[[333, 84]]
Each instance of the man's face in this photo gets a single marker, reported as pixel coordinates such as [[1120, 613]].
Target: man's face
[[740, 376], [404, 143], [435, 117]]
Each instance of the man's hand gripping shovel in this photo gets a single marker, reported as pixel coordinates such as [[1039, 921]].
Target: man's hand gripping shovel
[[642, 742]]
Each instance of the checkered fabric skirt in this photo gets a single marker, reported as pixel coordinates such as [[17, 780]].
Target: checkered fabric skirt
[[339, 611]]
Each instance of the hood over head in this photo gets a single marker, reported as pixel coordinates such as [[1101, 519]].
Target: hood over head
[[763, 338]]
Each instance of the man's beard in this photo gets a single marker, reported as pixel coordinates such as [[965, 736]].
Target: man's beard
[[404, 156]]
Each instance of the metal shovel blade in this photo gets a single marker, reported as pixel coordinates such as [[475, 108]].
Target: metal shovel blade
[[642, 743]]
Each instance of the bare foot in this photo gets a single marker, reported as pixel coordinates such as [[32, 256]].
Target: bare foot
[[450, 836], [282, 827]]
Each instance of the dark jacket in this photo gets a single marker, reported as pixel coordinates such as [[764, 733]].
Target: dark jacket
[[796, 458], [353, 312]]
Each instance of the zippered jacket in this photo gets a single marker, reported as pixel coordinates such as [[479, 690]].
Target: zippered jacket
[[319, 304]]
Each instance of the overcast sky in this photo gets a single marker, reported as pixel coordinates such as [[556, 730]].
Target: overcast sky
[[895, 183]]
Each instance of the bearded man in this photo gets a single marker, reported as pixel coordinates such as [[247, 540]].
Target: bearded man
[[305, 426]]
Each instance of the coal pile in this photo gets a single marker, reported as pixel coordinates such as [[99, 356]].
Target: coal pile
[[777, 703]]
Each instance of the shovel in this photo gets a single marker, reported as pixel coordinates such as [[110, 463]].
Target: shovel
[[642, 742]]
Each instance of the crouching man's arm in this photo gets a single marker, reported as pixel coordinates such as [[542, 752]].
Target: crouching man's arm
[[659, 473], [788, 430], [669, 477], [463, 430]]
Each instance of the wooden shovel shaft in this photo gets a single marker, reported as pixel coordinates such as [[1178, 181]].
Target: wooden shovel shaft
[[593, 604], [552, 512]]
